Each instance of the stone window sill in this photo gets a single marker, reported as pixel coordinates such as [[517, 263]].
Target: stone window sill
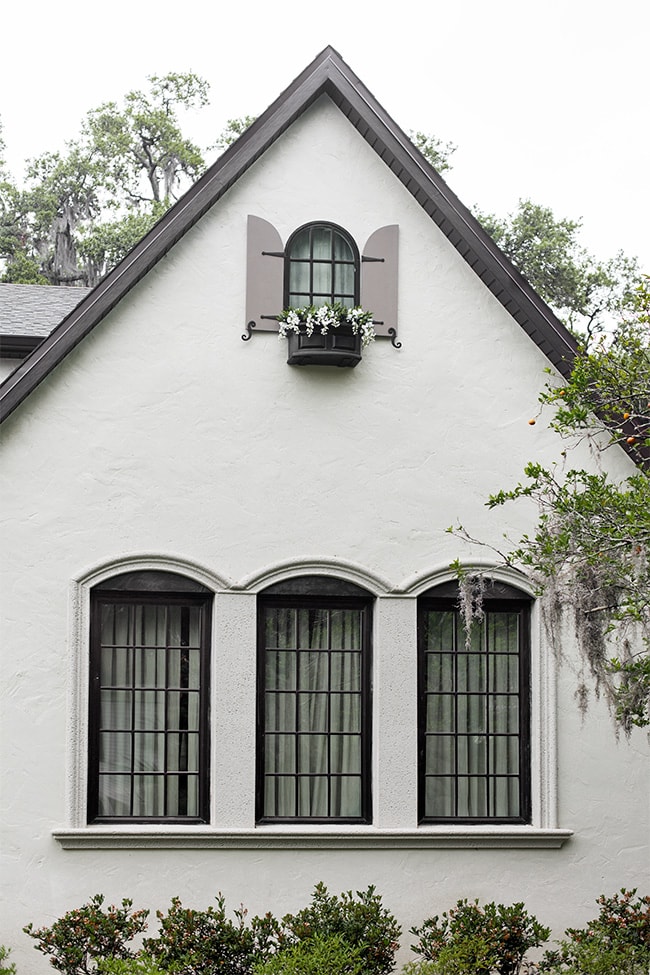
[[307, 838]]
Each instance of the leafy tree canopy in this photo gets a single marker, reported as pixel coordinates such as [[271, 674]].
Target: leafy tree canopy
[[82, 209], [437, 152], [584, 292], [589, 551]]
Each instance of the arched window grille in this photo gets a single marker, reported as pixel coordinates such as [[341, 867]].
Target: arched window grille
[[321, 267], [474, 708], [148, 700]]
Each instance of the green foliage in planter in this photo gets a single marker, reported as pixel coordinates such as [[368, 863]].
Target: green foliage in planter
[[203, 942], [319, 955], [77, 941], [359, 920], [6, 967], [617, 942], [473, 940]]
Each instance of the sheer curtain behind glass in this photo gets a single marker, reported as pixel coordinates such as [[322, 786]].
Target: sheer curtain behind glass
[[148, 658], [472, 702], [313, 712], [322, 267]]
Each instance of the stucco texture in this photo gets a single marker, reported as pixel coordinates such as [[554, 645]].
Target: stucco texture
[[163, 436]]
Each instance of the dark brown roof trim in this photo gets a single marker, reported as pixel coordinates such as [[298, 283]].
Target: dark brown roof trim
[[328, 74]]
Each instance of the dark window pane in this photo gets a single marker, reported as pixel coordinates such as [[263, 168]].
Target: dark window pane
[[149, 796], [146, 706], [116, 710], [149, 752], [439, 672], [346, 796], [183, 752], [312, 712], [440, 712], [345, 670], [471, 669], [472, 797], [321, 266], [440, 631], [313, 671], [440, 756], [114, 795], [313, 793], [312, 753], [345, 753], [504, 713], [280, 797], [319, 706], [280, 712], [472, 754], [114, 752], [116, 667], [281, 670], [440, 793], [471, 738], [471, 713]]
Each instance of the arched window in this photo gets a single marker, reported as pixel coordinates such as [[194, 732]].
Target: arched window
[[314, 711], [321, 267], [474, 703], [148, 700]]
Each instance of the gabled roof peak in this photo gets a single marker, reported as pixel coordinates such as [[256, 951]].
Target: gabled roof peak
[[328, 74]]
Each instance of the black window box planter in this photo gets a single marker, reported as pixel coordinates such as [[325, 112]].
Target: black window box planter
[[338, 347]]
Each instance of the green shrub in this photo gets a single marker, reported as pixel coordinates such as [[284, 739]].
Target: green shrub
[[361, 921], [489, 940], [77, 941], [6, 967], [204, 942], [141, 964], [617, 942], [319, 955]]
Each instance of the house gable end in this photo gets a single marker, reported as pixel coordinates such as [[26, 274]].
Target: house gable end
[[326, 75]]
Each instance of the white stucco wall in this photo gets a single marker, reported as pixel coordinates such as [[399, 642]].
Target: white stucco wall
[[163, 436]]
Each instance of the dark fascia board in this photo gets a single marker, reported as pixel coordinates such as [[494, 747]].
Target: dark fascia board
[[328, 75]]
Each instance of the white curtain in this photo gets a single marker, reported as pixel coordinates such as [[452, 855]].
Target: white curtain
[[149, 710], [312, 713], [472, 717]]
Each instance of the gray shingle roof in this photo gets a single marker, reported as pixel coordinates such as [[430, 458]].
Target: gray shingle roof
[[30, 312], [33, 309]]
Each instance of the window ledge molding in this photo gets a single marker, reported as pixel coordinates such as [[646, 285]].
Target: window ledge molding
[[293, 837]]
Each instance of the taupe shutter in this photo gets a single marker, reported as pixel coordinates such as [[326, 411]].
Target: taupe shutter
[[264, 274], [379, 266]]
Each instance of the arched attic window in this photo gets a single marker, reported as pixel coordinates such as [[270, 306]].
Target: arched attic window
[[148, 699], [375, 285], [321, 266], [474, 708]]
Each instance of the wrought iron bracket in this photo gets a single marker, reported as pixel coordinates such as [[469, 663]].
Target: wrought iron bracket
[[249, 331], [393, 338]]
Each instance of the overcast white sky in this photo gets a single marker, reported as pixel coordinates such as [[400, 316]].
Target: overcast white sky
[[545, 100]]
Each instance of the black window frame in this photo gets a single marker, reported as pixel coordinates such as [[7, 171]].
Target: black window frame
[[152, 588], [281, 596], [319, 298], [502, 599]]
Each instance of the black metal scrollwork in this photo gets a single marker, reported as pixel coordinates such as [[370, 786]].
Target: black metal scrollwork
[[249, 327], [393, 338]]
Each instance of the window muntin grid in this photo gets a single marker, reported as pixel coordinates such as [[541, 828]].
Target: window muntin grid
[[474, 739], [148, 708], [314, 733], [321, 267]]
